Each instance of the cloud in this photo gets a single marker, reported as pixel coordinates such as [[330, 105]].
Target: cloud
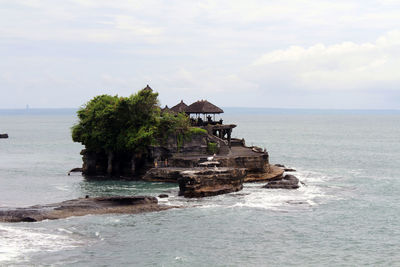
[[342, 66], [237, 51]]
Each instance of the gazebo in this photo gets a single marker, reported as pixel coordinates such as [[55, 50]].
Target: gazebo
[[181, 107], [203, 107], [213, 127]]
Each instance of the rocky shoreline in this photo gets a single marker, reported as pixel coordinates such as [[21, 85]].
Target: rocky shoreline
[[81, 207], [194, 182]]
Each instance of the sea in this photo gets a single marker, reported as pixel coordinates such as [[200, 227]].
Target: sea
[[347, 212]]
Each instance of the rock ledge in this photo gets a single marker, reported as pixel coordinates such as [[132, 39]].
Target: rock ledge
[[82, 206]]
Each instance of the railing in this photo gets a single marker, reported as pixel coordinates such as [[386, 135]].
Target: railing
[[200, 122]]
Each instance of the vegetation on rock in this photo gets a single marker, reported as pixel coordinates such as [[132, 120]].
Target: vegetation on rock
[[114, 124], [212, 148]]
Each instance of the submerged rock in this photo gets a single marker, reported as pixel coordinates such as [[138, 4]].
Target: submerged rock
[[82, 206], [287, 182]]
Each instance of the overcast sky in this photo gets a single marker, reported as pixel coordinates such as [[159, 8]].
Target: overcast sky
[[250, 53]]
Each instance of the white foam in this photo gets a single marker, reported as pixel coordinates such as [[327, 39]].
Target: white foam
[[315, 191], [62, 187], [16, 243], [311, 194]]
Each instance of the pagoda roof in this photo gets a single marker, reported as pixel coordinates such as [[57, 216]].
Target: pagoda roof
[[203, 107], [165, 109], [147, 88]]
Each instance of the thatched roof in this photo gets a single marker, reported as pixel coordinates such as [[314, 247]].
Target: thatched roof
[[203, 107], [181, 107]]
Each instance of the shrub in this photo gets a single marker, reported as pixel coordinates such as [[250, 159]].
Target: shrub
[[212, 148]]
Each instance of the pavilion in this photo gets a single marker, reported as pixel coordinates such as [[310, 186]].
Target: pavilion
[[203, 107], [216, 128]]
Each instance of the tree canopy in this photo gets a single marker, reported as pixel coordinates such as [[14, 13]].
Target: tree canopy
[[118, 124]]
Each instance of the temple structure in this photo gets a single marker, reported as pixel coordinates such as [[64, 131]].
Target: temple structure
[[204, 163], [202, 114]]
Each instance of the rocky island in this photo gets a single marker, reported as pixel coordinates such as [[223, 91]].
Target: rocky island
[[133, 138]]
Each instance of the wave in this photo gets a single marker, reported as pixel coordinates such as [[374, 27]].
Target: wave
[[17, 243], [313, 192]]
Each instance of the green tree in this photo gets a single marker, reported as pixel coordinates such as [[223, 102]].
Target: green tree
[[112, 125], [115, 124], [97, 127]]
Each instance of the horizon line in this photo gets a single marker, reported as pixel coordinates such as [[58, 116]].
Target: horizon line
[[227, 107]]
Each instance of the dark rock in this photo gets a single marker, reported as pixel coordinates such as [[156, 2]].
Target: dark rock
[[75, 170], [27, 219], [82, 206], [163, 196], [289, 170], [287, 182], [3, 135], [280, 165]]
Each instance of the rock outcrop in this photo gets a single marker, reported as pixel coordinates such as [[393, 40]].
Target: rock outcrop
[[256, 163], [170, 175], [200, 182], [287, 182], [203, 182], [135, 165], [274, 173], [3, 135], [82, 206]]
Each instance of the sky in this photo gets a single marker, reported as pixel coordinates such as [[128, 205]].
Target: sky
[[342, 54]]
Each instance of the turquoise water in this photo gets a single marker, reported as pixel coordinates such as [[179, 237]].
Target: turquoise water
[[347, 214]]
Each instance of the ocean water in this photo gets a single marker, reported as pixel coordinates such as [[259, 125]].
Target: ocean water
[[346, 214]]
